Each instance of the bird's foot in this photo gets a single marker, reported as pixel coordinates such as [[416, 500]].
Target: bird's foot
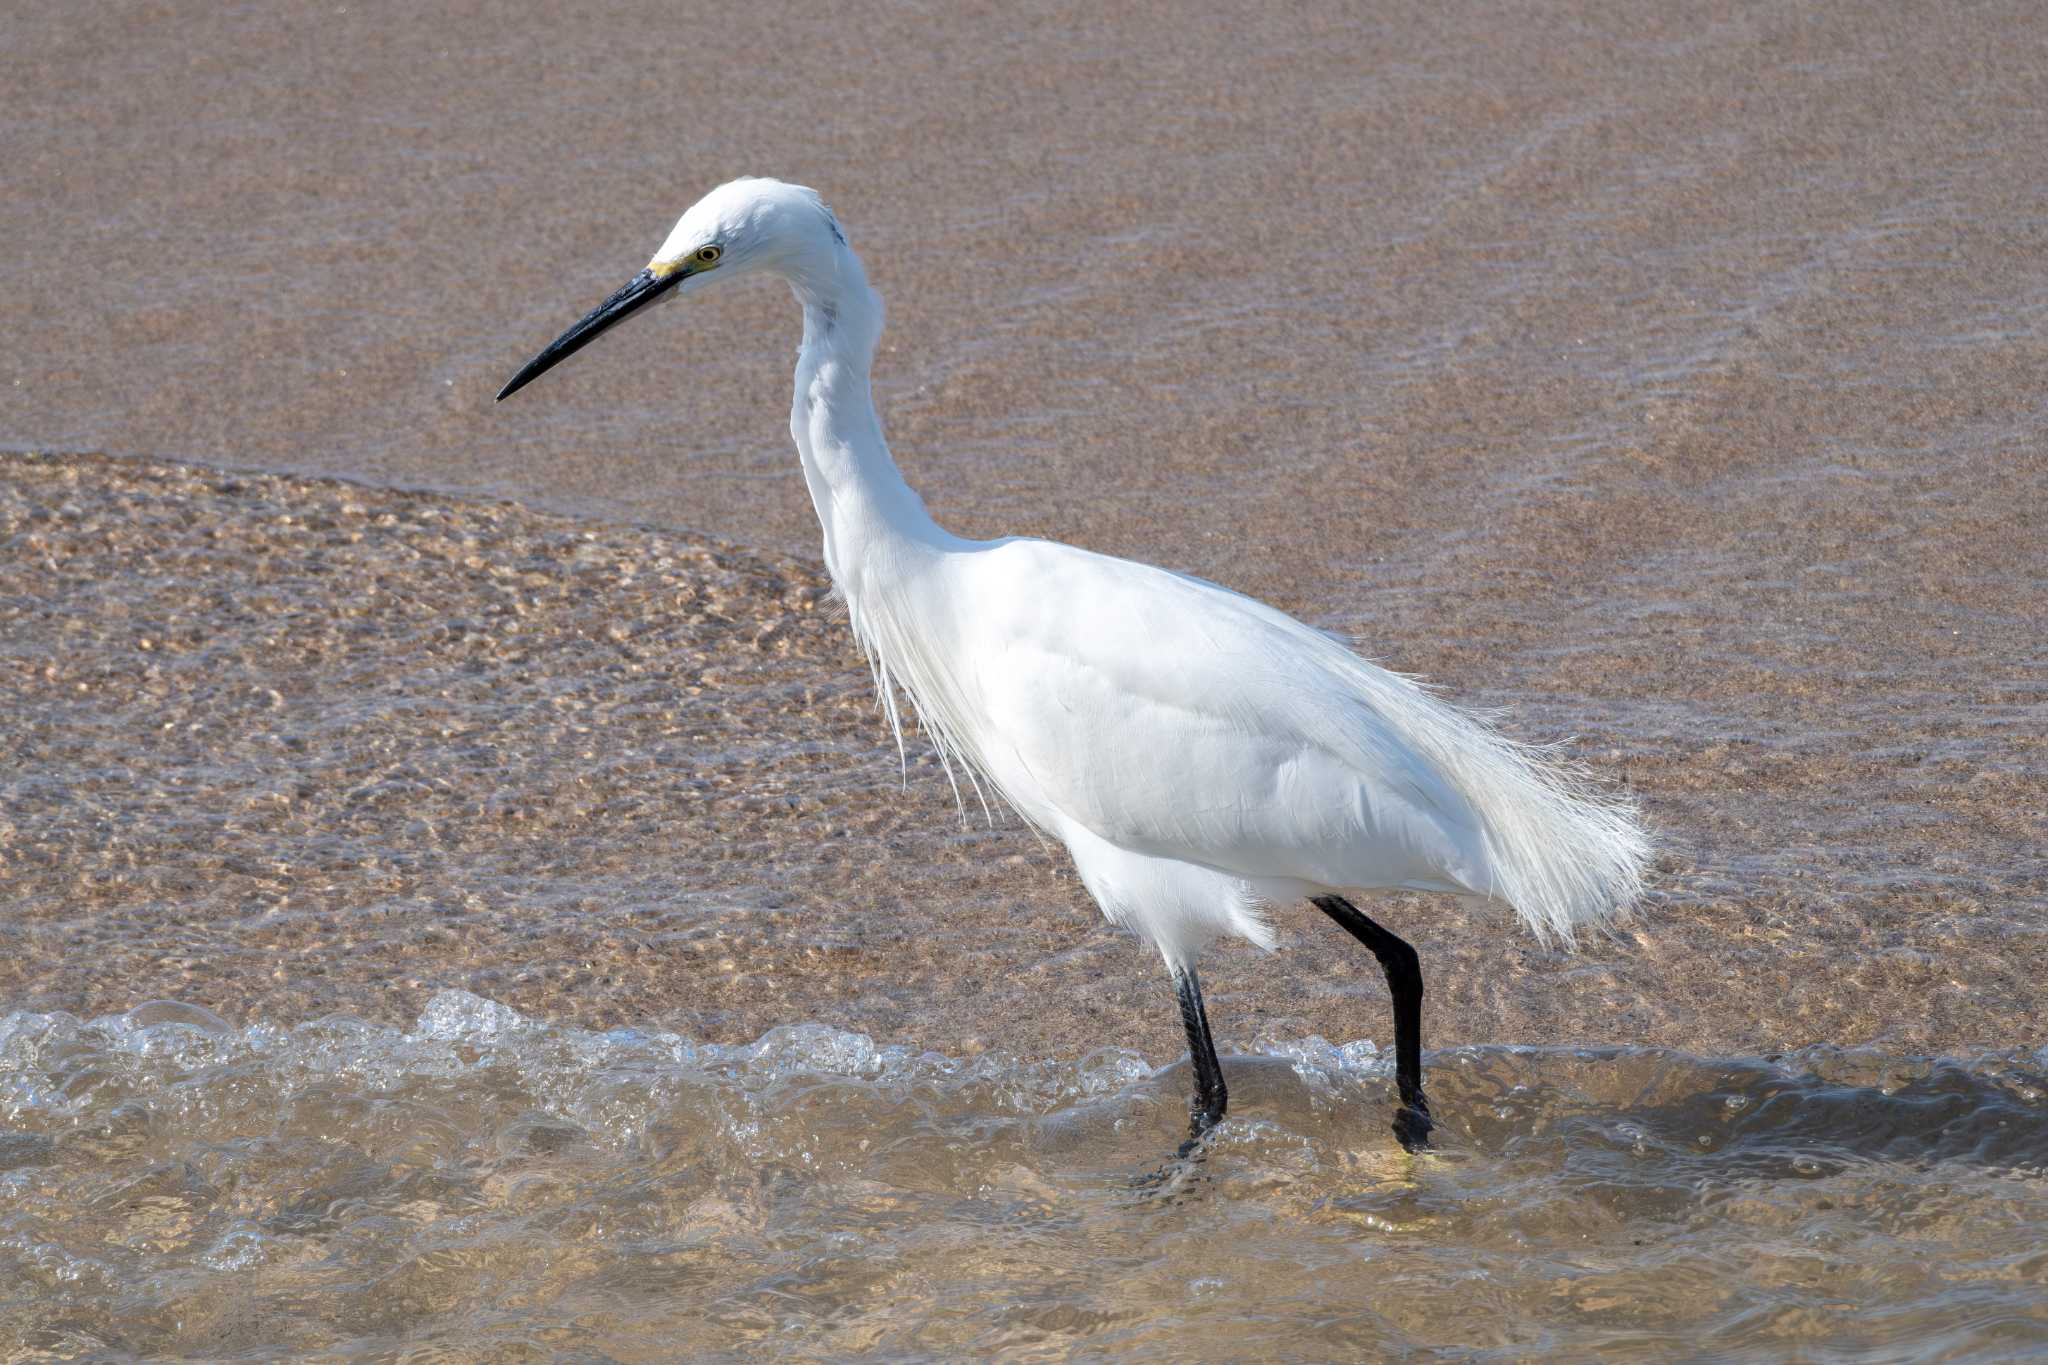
[[1173, 1177], [1412, 1125], [1171, 1182], [1178, 1174], [1201, 1123]]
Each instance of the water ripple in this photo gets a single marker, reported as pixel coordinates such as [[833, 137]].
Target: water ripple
[[170, 1184]]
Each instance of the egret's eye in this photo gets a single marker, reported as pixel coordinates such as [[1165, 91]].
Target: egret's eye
[[708, 255]]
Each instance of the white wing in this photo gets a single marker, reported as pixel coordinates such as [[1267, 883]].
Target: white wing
[[1174, 718]]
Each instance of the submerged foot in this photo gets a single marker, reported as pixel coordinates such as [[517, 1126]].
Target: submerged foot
[[1412, 1124], [1201, 1123], [1172, 1178]]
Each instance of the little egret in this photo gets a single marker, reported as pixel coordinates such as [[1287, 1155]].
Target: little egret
[[1201, 755]]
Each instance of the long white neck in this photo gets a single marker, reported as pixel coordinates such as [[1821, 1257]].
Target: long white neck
[[885, 553], [871, 518]]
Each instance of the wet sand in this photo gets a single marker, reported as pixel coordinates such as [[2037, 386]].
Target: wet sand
[[286, 747], [1303, 301], [1673, 378]]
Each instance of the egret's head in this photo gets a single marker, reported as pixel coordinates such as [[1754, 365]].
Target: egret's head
[[739, 228]]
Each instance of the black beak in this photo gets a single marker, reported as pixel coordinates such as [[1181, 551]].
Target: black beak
[[643, 289]]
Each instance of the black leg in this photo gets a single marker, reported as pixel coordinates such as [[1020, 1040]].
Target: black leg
[[1205, 1111], [1404, 982]]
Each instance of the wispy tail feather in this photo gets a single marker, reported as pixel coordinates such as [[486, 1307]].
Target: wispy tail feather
[[1567, 855], [1566, 851]]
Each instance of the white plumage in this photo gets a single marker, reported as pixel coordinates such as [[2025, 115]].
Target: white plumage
[[1202, 756]]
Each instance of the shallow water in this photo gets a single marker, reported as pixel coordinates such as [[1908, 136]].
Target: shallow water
[[480, 1186], [1668, 376]]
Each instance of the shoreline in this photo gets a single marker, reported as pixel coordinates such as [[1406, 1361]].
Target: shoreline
[[297, 746]]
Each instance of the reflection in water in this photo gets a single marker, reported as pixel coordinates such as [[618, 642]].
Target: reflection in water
[[170, 1184]]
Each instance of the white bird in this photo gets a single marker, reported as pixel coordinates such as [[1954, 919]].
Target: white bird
[[1202, 756]]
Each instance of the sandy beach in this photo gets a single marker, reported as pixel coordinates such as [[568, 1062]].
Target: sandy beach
[[286, 748], [1674, 385]]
